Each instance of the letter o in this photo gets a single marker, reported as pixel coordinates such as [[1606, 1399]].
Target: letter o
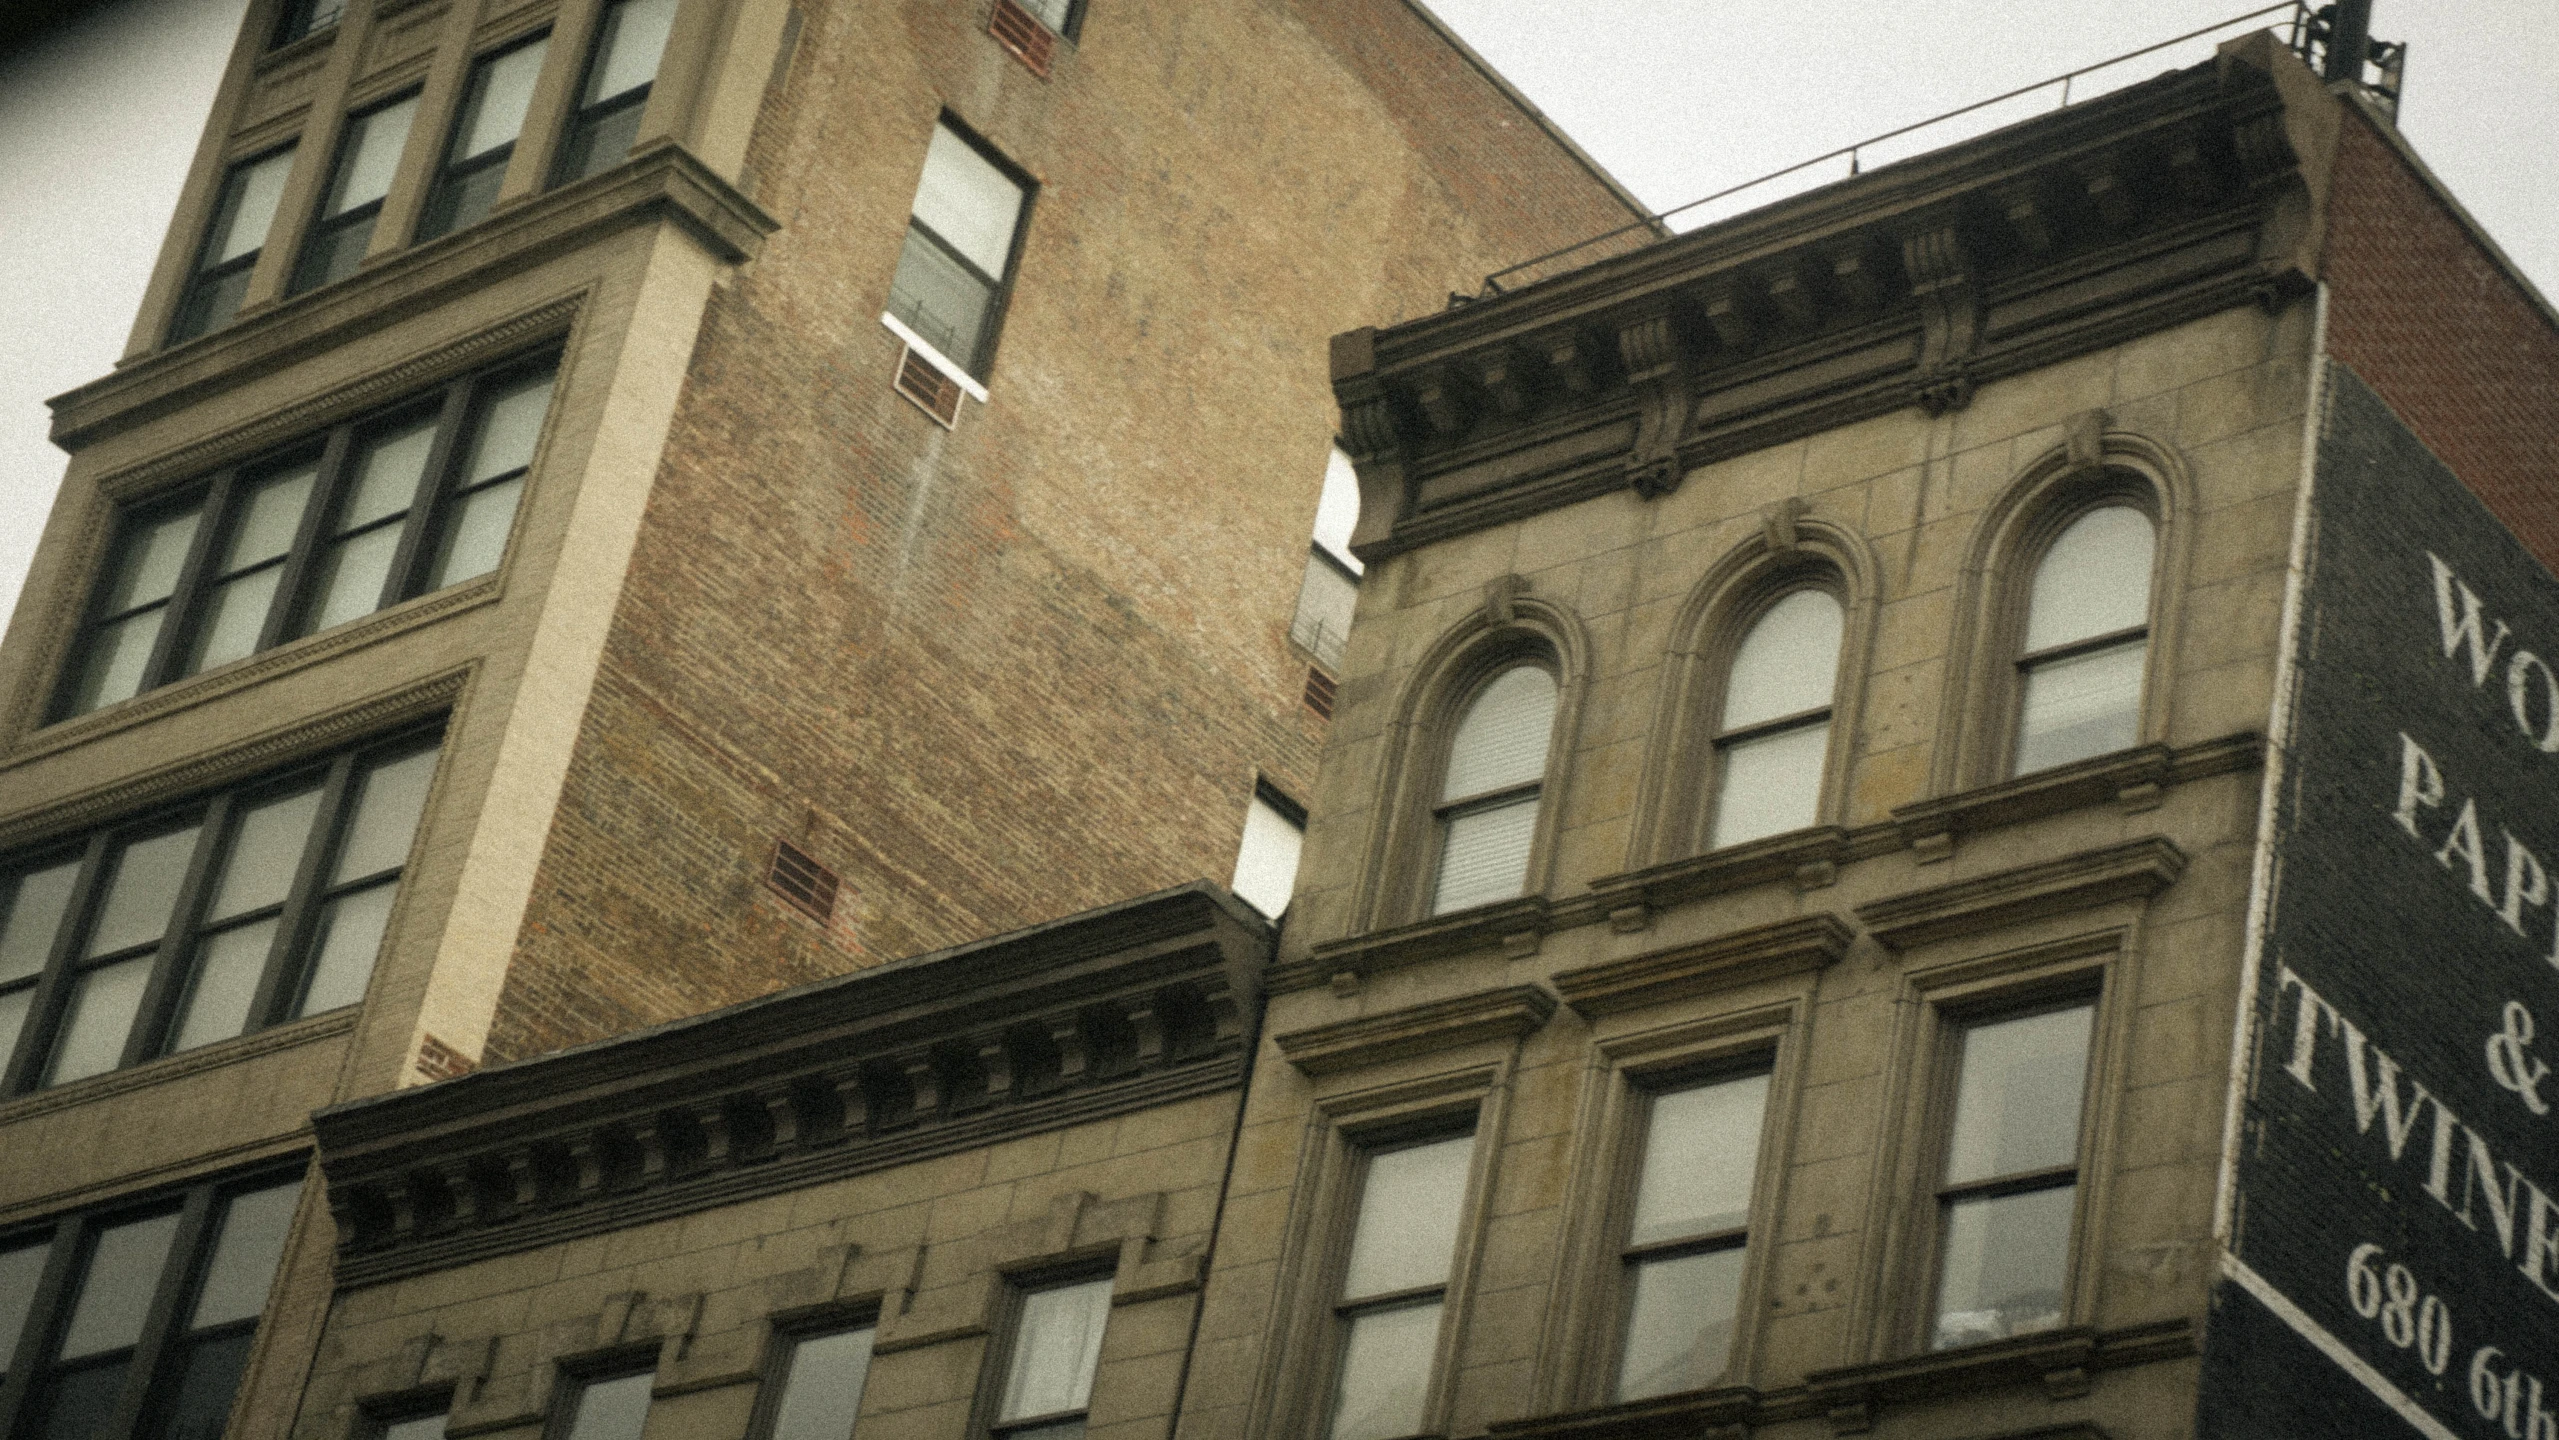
[[2519, 700]]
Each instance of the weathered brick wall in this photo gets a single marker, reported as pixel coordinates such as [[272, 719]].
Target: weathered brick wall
[[1002, 674], [2436, 325]]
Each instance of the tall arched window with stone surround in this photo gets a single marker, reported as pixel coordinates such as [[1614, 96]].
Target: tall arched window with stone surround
[[1772, 739], [2086, 640], [1486, 812]]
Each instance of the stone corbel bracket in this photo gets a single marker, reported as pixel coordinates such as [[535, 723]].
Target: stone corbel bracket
[[1945, 282], [1656, 360]]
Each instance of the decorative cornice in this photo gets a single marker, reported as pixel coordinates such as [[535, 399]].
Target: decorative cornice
[[1509, 1013], [665, 183], [1807, 859], [1516, 927], [2132, 779], [305, 737], [1912, 284], [1117, 1009], [2134, 870], [1763, 952]]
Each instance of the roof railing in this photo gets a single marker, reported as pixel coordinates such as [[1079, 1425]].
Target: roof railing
[[2310, 34]]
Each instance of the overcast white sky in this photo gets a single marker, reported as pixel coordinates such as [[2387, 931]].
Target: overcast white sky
[[1678, 98]]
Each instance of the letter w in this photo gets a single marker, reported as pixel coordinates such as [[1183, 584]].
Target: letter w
[[2397, 1124], [2468, 629]]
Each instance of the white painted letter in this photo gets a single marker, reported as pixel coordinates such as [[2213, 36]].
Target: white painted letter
[[2526, 882], [2305, 1025], [2464, 842], [2396, 1123], [2541, 1243], [2466, 630], [2420, 783], [2519, 698]]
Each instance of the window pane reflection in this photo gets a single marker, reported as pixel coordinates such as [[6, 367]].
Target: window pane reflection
[[1680, 1317]]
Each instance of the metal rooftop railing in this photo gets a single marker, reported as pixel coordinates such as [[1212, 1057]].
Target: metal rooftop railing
[[2310, 34]]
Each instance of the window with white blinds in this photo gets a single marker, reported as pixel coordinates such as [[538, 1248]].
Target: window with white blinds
[[1775, 729], [1487, 809], [2087, 641]]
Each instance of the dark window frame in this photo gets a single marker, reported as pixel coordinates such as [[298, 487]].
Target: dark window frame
[[1349, 1196], [324, 225], [301, 19], [222, 495], [586, 117], [999, 299], [1648, 1086], [165, 1337], [451, 172], [202, 277], [284, 976], [788, 1330], [1004, 1343], [577, 1377], [1069, 31]]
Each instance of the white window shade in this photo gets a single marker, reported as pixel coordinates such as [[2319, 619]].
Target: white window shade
[[965, 199], [2095, 579], [1501, 742], [1266, 863], [1337, 513], [1788, 663]]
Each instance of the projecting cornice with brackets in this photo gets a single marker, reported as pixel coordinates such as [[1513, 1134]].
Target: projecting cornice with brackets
[[1907, 286]]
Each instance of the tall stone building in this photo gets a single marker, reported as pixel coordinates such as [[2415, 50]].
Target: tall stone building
[[615, 507]]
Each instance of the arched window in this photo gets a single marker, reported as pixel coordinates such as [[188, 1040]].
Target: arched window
[[2087, 640], [1487, 810], [1774, 733]]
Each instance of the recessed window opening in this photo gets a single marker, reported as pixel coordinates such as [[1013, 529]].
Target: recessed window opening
[[368, 157], [242, 217], [1266, 861], [1774, 734], [485, 130], [1687, 1234], [306, 17], [952, 275], [2011, 1176], [1057, 1347], [2087, 641], [1488, 802], [1395, 1286], [821, 1384], [621, 67], [607, 1407], [797, 877]]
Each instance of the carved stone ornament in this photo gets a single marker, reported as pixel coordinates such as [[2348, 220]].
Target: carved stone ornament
[[1657, 371]]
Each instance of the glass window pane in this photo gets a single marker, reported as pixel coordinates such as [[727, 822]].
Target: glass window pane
[[267, 840], [224, 985], [390, 795], [1408, 1213], [386, 475], [599, 142], [332, 252], [343, 953], [501, 88], [1326, 600], [34, 917], [13, 1019], [2018, 1094], [211, 301], [371, 153], [2093, 581], [147, 565], [461, 197], [1679, 1322], [234, 616], [1337, 510], [2004, 1259], [103, 1004], [2081, 706], [116, 1286], [79, 1405], [1770, 784], [1266, 863], [208, 1380], [629, 40], [350, 578], [247, 210], [1701, 1154], [143, 890], [474, 538], [422, 1427], [612, 1409], [1386, 1372], [1052, 13], [245, 1255], [940, 300], [1483, 855], [118, 654], [1056, 1348], [20, 1269], [1788, 663], [269, 517], [969, 201], [1501, 741], [822, 1386], [509, 424]]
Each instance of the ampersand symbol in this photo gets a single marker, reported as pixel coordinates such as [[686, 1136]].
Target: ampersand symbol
[[2511, 1067]]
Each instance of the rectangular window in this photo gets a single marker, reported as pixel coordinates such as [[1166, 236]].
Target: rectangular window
[[242, 217], [1395, 1286], [484, 135], [1057, 1345], [630, 37], [821, 1385], [428, 1426], [156, 1302], [960, 243], [306, 17], [368, 156], [253, 906], [1062, 16], [329, 529], [1325, 599], [1266, 863], [603, 1407], [1686, 1235], [2011, 1176]]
